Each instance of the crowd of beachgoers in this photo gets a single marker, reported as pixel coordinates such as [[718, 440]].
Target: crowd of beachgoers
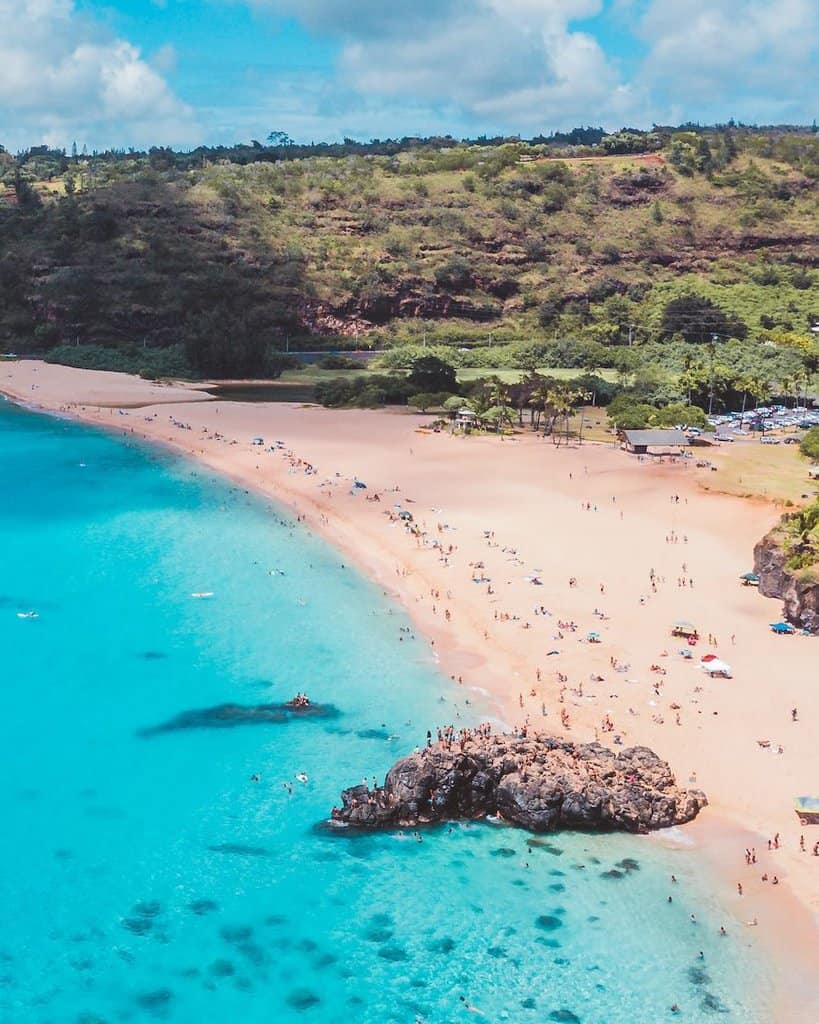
[[547, 583]]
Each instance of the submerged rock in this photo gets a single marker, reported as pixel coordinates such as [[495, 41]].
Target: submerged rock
[[540, 783], [226, 716]]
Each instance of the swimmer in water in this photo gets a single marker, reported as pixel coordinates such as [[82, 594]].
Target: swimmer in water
[[471, 1008]]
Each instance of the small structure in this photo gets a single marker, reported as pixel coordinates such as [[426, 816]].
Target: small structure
[[813, 472], [711, 664], [466, 420], [258, 440], [749, 579], [655, 442], [687, 629]]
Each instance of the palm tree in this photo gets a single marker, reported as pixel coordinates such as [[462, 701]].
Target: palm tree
[[583, 398], [562, 400], [788, 384], [538, 399], [497, 392]]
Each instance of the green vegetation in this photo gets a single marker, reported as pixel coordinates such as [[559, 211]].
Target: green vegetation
[[809, 445], [680, 260], [801, 537]]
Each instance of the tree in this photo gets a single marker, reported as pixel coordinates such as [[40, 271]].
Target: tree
[[677, 414], [28, 198], [430, 374], [625, 362], [423, 401], [809, 444], [563, 400], [497, 394], [627, 412], [698, 320], [538, 398], [754, 386], [279, 139]]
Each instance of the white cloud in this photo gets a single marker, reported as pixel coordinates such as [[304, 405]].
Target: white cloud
[[63, 77], [494, 65], [753, 58]]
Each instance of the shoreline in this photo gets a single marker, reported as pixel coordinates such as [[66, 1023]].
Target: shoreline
[[480, 644]]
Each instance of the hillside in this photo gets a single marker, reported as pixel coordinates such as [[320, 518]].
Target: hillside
[[466, 246]]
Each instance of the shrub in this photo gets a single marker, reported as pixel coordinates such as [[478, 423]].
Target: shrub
[[809, 445], [364, 391], [431, 400], [147, 362], [336, 362]]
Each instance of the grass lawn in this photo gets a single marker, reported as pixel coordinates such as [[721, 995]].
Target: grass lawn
[[750, 469], [513, 376], [315, 375]]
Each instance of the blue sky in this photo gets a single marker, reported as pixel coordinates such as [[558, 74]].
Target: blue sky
[[181, 72]]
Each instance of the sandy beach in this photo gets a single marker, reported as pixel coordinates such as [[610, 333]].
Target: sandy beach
[[509, 539]]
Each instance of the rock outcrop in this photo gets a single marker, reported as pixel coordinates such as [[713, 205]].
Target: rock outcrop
[[798, 590], [539, 783]]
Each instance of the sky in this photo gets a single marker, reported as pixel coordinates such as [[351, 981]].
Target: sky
[[137, 73]]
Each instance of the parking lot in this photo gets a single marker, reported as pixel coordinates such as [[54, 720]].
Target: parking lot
[[766, 424]]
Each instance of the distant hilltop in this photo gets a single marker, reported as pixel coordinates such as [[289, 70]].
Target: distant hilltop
[[560, 251]]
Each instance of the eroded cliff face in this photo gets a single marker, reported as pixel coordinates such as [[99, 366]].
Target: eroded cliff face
[[798, 590], [539, 783]]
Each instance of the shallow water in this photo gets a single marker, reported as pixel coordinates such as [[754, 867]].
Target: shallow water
[[144, 876]]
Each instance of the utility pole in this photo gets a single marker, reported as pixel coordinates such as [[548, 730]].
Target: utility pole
[[712, 349]]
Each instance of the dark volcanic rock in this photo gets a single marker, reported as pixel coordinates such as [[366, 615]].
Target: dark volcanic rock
[[540, 783], [227, 716]]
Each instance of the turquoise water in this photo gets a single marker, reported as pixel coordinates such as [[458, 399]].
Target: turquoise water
[[145, 876]]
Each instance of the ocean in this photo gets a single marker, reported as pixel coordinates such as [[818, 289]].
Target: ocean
[[162, 855]]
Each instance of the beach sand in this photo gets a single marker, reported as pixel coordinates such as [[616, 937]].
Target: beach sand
[[525, 508]]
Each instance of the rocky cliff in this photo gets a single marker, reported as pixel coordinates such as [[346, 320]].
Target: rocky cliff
[[539, 783], [797, 589]]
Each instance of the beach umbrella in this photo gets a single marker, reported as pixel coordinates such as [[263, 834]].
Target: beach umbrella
[[683, 626], [592, 636], [709, 657], [750, 576], [782, 627]]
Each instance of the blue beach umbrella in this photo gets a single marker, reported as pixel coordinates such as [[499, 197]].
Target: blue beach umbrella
[[782, 627]]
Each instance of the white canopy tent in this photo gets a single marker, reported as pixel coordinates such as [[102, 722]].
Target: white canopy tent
[[716, 667]]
